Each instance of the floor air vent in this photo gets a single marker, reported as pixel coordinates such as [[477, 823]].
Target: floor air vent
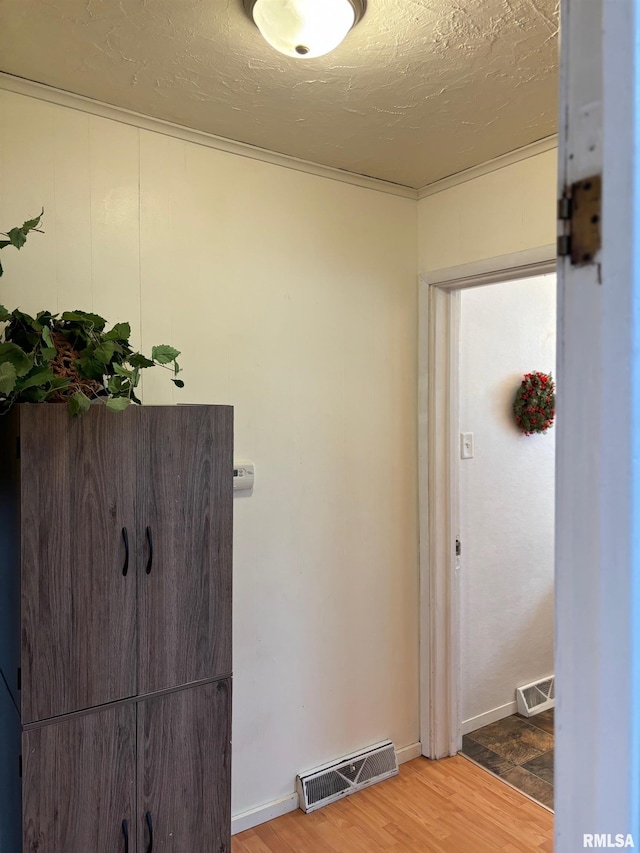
[[340, 778], [536, 697]]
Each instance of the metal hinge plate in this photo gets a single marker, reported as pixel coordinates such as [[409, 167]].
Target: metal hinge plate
[[579, 215]]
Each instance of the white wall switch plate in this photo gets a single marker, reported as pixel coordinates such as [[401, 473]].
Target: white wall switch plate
[[466, 445]]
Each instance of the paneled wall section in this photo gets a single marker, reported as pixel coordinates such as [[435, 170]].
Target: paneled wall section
[[293, 298]]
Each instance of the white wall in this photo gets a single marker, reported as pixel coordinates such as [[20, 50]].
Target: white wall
[[510, 209], [506, 497], [292, 297]]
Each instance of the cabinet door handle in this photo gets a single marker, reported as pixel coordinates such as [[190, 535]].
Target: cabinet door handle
[[147, 817], [125, 537], [150, 541], [125, 832]]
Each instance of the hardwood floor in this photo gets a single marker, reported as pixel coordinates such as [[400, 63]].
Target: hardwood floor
[[448, 806]]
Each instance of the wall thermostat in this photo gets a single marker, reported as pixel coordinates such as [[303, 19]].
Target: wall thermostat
[[242, 475]]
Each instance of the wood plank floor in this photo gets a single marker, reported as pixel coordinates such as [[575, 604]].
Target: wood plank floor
[[448, 806]]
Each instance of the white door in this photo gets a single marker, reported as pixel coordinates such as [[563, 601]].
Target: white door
[[597, 779]]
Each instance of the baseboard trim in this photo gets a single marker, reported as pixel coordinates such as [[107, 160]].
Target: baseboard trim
[[277, 808], [488, 717], [261, 814], [408, 753]]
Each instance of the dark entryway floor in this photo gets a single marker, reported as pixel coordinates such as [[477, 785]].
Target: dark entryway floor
[[518, 750]]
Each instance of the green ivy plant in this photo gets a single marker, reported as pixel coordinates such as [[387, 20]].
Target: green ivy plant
[[18, 236], [70, 356]]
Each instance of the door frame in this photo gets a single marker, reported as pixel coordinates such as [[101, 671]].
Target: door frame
[[438, 359]]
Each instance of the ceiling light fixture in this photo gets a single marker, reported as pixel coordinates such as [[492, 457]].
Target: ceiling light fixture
[[304, 28]]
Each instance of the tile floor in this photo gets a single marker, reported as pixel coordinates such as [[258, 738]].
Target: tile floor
[[518, 750]]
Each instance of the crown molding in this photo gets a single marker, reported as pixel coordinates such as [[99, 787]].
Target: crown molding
[[532, 150], [41, 92]]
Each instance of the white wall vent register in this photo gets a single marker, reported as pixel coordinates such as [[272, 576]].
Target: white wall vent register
[[536, 697], [347, 775]]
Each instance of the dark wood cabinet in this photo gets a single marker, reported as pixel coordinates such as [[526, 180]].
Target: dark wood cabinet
[[77, 489], [184, 505], [115, 629], [79, 778], [184, 748]]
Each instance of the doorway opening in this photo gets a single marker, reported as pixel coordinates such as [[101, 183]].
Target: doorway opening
[[439, 459], [506, 484]]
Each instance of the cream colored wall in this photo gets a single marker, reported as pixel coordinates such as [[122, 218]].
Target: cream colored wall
[[293, 298], [508, 210]]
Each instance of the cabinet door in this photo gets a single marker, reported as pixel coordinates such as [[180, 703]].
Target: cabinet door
[[185, 512], [79, 784], [77, 478], [184, 770]]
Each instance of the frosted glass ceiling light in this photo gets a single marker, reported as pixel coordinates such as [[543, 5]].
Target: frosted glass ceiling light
[[304, 28]]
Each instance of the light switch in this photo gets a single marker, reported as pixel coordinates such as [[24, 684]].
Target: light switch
[[466, 445]]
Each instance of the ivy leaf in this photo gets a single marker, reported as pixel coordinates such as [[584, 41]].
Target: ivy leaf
[[178, 383], [46, 337], [115, 385], [41, 377], [17, 237], [47, 353], [139, 360], [117, 404], [14, 355], [164, 354], [4, 314], [30, 224], [120, 332], [123, 371], [104, 351], [7, 378], [78, 403], [84, 317], [90, 368], [59, 383], [22, 317], [35, 395]]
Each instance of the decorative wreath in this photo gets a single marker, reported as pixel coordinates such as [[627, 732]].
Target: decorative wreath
[[534, 406]]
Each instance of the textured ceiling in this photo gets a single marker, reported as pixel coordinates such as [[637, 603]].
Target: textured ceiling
[[420, 89]]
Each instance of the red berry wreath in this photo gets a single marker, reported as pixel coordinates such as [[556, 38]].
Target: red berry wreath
[[535, 404]]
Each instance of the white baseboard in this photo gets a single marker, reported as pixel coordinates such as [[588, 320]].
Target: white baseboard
[[489, 717], [261, 814], [408, 753]]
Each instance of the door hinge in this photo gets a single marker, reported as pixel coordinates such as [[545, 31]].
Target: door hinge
[[579, 220], [20, 766], [19, 678], [458, 548]]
